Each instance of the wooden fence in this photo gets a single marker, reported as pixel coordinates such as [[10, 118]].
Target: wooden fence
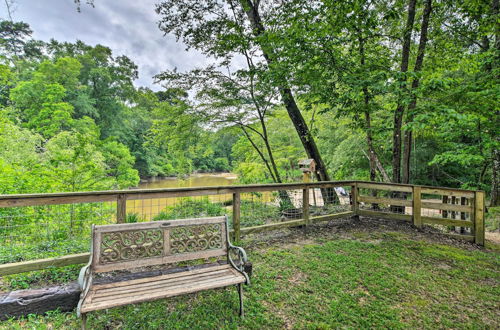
[[447, 208]]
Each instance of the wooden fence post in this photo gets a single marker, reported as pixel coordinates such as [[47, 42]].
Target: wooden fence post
[[121, 208], [479, 217], [417, 207], [444, 200], [354, 197], [463, 201], [305, 205], [236, 217]]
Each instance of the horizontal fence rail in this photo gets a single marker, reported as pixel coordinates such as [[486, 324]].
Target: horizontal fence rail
[[34, 226]]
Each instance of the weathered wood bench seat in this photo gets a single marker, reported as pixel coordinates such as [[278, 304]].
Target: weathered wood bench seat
[[132, 246]]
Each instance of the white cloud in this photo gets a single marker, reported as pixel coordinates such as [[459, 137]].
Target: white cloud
[[128, 27]]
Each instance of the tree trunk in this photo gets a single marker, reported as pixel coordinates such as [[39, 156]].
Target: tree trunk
[[371, 152], [285, 201], [416, 81], [495, 176], [366, 94], [372, 155], [304, 133], [399, 112], [495, 179]]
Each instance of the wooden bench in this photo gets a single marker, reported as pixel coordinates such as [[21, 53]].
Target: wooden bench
[[134, 246]]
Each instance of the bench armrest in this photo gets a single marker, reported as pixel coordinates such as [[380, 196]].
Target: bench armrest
[[85, 279], [240, 262]]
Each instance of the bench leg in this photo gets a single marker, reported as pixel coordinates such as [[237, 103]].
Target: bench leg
[[84, 321], [240, 293]]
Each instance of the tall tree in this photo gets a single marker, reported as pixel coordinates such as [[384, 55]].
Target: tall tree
[[252, 10], [495, 178], [419, 62], [399, 112], [221, 34]]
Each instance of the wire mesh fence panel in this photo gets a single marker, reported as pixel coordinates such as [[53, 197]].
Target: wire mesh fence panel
[[260, 208], [171, 208], [327, 201], [32, 232], [386, 201], [444, 207]]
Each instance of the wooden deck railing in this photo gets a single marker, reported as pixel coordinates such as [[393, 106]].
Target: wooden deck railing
[[417, 204]]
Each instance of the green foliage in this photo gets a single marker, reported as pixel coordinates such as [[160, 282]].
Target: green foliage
[[340, 59], [132, 218], [39, 102], [492, 221], [287, 151], [187, 207], [93, 129], [14, 38]]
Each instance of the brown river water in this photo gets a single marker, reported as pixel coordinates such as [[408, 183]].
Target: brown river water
[[148, 208], [194, 180]]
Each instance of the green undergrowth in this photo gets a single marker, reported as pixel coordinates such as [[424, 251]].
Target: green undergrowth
[[36, 250], [380, 280], [190, 207], [40, 278]]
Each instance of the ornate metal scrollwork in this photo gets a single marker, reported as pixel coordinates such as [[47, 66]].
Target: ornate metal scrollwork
[[131, 245], [196, 238]]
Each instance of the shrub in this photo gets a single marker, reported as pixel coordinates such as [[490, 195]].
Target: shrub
[[132, 218], [189, 207]]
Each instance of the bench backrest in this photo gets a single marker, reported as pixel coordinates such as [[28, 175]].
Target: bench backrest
[[126, 246]]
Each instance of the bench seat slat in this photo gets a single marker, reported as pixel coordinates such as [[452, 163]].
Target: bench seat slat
[[155, 282], [134, 291], [162, 288], [159, 277]]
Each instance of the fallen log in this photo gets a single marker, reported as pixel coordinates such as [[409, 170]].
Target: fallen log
[[38, 301]]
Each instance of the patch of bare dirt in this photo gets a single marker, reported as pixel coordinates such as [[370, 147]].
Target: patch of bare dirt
[[365, 295], [493, 237], [288, 322], [298, 278]]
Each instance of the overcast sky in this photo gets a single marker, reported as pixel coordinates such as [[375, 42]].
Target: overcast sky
[[128, 27]]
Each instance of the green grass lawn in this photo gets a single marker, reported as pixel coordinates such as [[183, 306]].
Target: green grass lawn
[[352, 276]]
